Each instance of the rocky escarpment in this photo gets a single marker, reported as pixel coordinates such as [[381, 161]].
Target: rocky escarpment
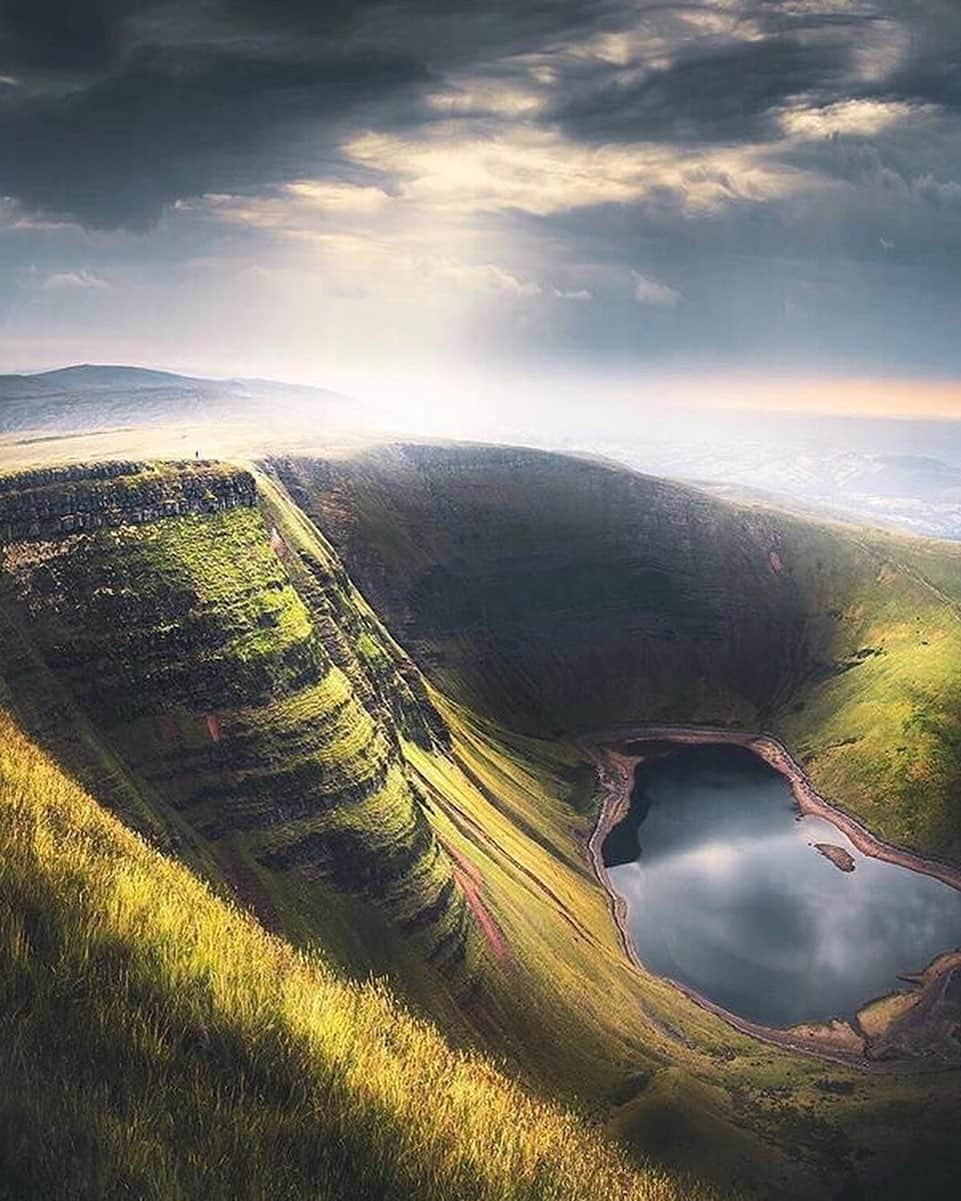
[[36, 505], [559, 594], [232, 675], [379, 668]]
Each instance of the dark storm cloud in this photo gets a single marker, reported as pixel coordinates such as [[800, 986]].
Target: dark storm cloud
[[117, 153], [118, 108], [729, 93], [87, 34], [162, 122], [63, 34], [776, 178], [730, 81], [114, 109], [931, 73]]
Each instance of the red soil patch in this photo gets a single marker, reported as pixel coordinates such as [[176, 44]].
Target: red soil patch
[[492, 931], [247, 888], [277, 544], [470, 881]]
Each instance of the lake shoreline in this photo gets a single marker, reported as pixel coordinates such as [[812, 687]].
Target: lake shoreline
[[840, 1041]]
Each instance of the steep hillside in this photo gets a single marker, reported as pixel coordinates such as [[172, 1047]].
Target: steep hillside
[[186, 641], [225, 690], [183, 639], [563, 595], [156, 1043]]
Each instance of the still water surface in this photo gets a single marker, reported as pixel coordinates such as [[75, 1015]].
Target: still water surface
[[726, 894]]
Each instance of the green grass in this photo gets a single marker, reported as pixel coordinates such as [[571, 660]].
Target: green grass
[[881, 734], [227, 684], [157, 1043]]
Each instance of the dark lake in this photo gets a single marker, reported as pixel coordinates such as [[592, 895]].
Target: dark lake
[[725, 894]]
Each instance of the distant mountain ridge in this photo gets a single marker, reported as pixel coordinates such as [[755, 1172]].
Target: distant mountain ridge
[[90, 396]]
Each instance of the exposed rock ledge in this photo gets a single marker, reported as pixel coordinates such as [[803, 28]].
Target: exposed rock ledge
[[67, 500]]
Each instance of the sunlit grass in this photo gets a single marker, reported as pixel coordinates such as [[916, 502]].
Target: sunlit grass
[[157, 1043]]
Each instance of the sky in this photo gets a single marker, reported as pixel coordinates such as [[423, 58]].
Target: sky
[[462, 201]]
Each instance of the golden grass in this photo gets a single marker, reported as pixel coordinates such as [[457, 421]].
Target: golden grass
[[156, 1043]]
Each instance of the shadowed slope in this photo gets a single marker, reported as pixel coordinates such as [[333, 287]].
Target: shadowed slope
[[562, 595]]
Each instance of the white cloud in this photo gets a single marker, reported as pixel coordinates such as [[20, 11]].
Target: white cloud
[[856, 118], [541, 172], [653, 42], [68, 280], [13, 216], [339, 197], [649, 291], [940, 192], [543, 73], [487, 277], [581, 294], [295, 206], [473, 96]]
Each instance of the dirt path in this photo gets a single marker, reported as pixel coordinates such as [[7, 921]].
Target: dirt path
[[839, 1042], [492, 931], [470, 881], [247, 888], [473, 831]]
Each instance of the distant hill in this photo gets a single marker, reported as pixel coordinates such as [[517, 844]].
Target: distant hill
[[91, 397]]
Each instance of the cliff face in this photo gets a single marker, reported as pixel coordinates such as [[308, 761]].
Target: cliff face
[[219, 662], [37, 505], [215, 676], [562, 595]]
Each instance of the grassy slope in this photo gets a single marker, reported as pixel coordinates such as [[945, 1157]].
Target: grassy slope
[[157, 1043], [578, 655], [883, 735], [226, 710], [559, 595]]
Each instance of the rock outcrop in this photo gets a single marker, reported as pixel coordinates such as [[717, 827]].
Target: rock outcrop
[[39, 505]]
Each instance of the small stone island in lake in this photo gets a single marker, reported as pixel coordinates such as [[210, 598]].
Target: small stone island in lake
[[838, 855]]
